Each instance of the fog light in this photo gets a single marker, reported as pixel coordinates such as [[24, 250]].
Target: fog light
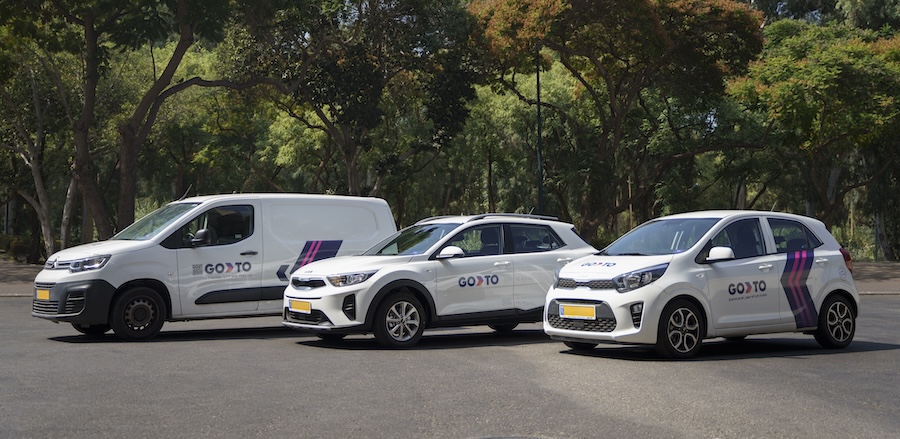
[[636, 310]]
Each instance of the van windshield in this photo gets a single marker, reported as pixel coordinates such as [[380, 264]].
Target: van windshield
[[661, 237], [412, 240], [150, 225]]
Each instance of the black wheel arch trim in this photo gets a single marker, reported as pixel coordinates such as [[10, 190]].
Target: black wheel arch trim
[[414, 287]]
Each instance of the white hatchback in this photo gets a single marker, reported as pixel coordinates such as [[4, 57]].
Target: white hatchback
[[677, 280], [492, 269]]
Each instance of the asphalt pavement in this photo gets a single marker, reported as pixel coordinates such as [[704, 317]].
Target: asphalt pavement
[[16, 279]]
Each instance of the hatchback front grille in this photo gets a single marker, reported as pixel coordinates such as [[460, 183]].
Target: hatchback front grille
[[605, 320], [592, 284]]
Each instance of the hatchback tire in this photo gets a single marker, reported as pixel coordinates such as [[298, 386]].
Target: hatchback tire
[[680, 332], [837, 324]]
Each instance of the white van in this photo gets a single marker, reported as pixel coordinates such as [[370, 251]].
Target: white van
[[203, 257]]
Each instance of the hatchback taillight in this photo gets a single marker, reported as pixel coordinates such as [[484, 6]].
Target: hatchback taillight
[[847, 259]]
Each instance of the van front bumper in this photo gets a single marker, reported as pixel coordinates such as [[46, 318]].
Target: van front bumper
[[86, 302]]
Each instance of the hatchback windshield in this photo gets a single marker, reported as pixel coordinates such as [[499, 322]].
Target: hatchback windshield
[[412, 240], [150, 225], [661, 237]]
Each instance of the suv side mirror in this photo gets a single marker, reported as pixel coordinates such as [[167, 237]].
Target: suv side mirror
[[720, 254], [451, 251], [203, 237]]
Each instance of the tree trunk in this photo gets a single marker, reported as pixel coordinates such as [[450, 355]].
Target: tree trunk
[[84, 171], [65, 226]]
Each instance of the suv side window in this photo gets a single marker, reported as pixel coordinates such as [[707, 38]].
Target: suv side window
[[791, 236], [228, 224], [531, 239], [479, 241], [744, 237]]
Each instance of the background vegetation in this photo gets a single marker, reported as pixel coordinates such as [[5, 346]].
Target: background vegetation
[[109, 109]]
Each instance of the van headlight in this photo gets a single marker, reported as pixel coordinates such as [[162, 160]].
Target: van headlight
[[636, 279], [87, 264], [344, 280]]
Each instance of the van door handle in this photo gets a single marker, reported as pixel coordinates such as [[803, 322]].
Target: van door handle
[[765, 267], [501, 264], [564, 260], [250, 253]]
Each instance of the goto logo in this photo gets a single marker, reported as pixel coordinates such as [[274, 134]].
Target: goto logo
[[747, 287], [598, 264], [227, 267], [475, 281]]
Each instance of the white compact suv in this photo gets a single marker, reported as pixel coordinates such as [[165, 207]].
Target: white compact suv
[[492, 269], [677, 280]]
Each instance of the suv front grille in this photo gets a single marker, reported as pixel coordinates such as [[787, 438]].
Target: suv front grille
[[568, 283], [307, 283], [316, 317]]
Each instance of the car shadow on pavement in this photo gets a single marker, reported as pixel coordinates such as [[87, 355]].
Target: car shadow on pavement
[[431, 340], [191, 335], [719, 350]]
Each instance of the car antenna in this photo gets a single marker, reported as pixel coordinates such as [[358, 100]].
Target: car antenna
[[186, 192]]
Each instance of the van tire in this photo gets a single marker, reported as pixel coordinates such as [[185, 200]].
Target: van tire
[[399, 321], [138, 314], [94, 330]]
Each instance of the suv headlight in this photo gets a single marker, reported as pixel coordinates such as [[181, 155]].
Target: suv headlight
[[636, 279], [343, 280], [87, 264]]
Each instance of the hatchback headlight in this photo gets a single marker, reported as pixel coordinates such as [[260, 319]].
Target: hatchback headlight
[[636, 279], [343, 280], [87, 264]]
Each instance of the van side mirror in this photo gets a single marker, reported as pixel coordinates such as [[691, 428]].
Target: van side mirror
[[203, 237], [451, 251], [717, 254]]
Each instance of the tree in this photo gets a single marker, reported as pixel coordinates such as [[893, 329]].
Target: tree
[[641, 66], [92, 29], [338, 59], [828, 92]]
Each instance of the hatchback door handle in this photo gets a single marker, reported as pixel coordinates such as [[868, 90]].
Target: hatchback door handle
[[765, 267], [250, 253], [501, 264], [821, 260]]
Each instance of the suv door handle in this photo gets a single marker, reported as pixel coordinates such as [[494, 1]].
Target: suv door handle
[[249, 253], [765, 267], [501, 264]]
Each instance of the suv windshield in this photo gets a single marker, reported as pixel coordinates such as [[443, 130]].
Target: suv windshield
[[661, 237], [150, 225], [412, 240]]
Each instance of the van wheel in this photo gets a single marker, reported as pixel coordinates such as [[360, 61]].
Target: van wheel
[[91, 329], [504, 327], [680, 330], [138, 314], [837, 324], [399, 321]]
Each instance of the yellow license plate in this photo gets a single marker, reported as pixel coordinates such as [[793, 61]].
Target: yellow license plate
[[301, 306], [583, 312], [43, 294]]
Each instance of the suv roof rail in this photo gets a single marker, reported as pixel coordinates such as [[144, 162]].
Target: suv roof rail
[[431, 218], [514, 215], [485, 215]]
